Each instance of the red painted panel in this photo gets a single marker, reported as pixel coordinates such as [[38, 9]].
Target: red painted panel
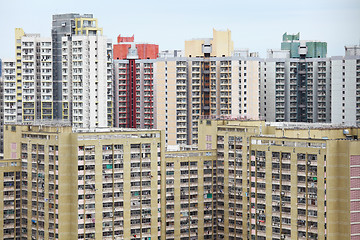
[[120, 51], [125, 39], [147, 51]]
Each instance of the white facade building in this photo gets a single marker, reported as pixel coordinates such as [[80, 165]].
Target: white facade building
[[36, 76], [87, 81], [345, 89], [283, 98], [9, 90]]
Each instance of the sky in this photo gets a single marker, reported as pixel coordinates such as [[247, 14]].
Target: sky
[[257, 24]]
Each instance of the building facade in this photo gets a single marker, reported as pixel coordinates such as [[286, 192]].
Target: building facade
[[188, 88], [310, 89], [87, 81], [34, 89], [81, 184], [280, 181], [345, 86], [10, 177], [249, 179], [189, 200], [134, 91], [133, 68], [69, 25], [295, 90]]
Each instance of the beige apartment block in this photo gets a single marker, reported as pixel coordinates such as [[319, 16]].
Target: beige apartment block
[[187, 89], [220, 45], [284, 181], [81, 184], [10, 195], [170, 96], [249, 179], [189, 199]]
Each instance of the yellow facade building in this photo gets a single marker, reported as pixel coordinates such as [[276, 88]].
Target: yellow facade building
[[10, 214], [83, 184], [285, 181], [247, 180], [189, 199], [220, 45]]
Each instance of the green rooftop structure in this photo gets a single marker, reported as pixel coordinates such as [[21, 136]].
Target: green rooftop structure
[[315, 49], [291, 37]]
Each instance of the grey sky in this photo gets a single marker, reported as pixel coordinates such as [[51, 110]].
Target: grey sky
[[257, 24]]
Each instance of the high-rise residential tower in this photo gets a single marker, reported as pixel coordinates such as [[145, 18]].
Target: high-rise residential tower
[[180, 97], [134, 83], [1, 111], [249, 179], [64, 183], [310, 89], [284, 181], [345, 87], [295, 90], [207, 82], [68, 25], [87, 80], [34, 89]]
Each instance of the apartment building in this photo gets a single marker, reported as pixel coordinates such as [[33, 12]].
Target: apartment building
[[207, 82], [249, 179], [87, 81], [27, 80], [189, 200], [70, 24], [184, 94], [300, 84], [310, 89], [33, 63], [295, 90], [82, 76], [284, 181], [1, 110], [9, 90], [345, 86], [295, 83], [10, 195], [171, 99], [76, 86], [81, 184], [134, 90]]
